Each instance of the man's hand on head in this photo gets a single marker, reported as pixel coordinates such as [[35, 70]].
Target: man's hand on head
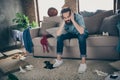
[[80, 29], [72, 16]]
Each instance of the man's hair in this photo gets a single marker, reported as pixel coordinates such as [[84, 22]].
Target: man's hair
[[64, 10]]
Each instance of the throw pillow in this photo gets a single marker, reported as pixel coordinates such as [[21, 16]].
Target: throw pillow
[[52, 31], [44, 32], [93, 23], [109, 25], [54, 18], [47, 25], [50, 24]]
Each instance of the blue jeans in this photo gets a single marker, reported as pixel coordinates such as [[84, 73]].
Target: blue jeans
[[81, 38]]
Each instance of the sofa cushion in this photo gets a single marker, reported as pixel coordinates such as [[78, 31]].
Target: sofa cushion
[[109, 25], [50, 24], [93, 23], [52, 41], [52, 31], [41, 32], [104, 41], [74, 42], [54, 18], [36, 41], [97, 41], [47, 25]]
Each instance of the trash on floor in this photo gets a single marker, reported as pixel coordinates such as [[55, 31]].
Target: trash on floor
[[22, 70], [15, 56], [100, 73], [22, 57], [114, 76], [18, 56], [48, 65], [29, 67]]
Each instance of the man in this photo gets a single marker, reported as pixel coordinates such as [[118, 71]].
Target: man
[[74, 26]]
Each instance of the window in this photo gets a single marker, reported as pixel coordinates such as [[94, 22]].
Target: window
[[93, 5], [44, 5]]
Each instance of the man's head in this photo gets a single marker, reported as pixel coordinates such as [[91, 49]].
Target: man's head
[[65, 14]]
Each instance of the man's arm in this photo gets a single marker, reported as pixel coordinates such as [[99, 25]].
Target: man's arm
[[78, 27], [59, 31]]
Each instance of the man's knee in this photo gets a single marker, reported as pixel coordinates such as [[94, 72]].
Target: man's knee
[[59, 38], [82, 37]]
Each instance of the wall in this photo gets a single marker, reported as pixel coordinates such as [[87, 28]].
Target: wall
[[72, 4], [8, 9], [118, 4], [29, 8]]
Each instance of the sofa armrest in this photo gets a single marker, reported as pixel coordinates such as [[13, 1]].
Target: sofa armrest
[[34, 32]]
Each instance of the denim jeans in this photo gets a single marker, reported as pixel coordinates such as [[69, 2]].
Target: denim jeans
[[81, 39]]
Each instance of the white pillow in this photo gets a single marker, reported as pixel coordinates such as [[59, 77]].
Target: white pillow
[[52, 31]]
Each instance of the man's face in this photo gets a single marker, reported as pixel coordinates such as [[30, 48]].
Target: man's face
[[66, 17]]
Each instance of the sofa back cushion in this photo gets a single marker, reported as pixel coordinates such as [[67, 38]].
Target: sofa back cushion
[[54, 18], [93, 23], [49, 22], [109, 25], [47, 25]]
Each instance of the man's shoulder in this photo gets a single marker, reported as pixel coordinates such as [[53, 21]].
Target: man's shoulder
[[77, 16]]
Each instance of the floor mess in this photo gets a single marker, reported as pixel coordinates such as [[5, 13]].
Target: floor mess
[[100, 73], [18, 56], [48, 65], [114, 76], [27, 68]]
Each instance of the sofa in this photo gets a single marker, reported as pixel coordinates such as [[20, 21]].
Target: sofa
[[99, 45]]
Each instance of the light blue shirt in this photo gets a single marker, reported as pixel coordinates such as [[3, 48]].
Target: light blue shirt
[[71, 28]]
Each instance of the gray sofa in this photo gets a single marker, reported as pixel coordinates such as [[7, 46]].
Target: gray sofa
[[98, 46]]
